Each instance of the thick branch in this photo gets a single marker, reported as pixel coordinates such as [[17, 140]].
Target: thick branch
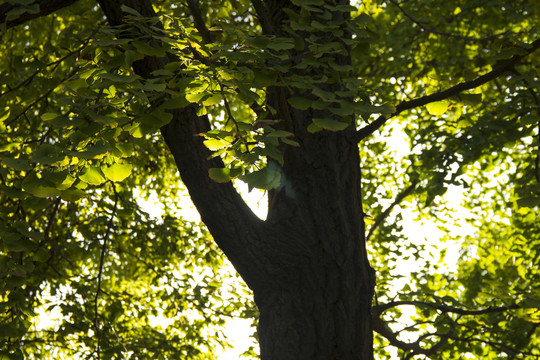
[[231, 222], [45, 8], [199, 21], [500, 69], [264, 16]]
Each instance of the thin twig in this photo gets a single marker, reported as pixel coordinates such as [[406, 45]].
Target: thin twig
[[379, 309], [432, 30], [100, 273], [382, 216]]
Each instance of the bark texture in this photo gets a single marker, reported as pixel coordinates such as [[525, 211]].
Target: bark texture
[[307, 263]]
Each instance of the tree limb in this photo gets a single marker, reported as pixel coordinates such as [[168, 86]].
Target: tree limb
[[199, 21], [264, 16], [500, 69], [231, 222], [414, 347], [45, 7], [380, 326]]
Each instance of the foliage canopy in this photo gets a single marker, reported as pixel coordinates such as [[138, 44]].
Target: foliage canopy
[[457, 81]]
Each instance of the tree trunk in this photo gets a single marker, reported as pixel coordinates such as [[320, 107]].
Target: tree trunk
[[315, 300], [307, 263]]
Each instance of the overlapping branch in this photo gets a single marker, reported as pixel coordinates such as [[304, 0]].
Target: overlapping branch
[[432, 30], [43, 7], [382, 216], [500, 69], [415, 347]]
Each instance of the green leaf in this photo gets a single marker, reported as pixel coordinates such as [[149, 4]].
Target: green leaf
[[279, 133], [281, 45], [92, 176], [18, 164], [300, 103], [289, 142], [47, 154], [215, 144], [16, 243], [39, 187], [97, 151], [176, 102], [265, 78], [9, 146], [223, 175], [324, 95], [154, 87], [146, 49], [529, 120], [49, 116], [123, 79], [471, 99], [195, 97], [72, 194], [308, 2], [438, 107], [330, 124], [262, 179], [61, 180], [529, 201], [313, 128], [212, 100], [41, 255], [117, 172]]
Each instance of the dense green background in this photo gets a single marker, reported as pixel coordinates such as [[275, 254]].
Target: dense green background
[[79, 141]]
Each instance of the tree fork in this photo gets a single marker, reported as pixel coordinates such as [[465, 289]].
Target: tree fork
[[307, 264]]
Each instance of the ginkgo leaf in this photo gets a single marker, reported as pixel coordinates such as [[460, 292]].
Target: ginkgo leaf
[[117, 172], [262, 179], [92, 176], [212, 100], [437, 108], [330, 124], [300, 103], [221, 175], [215, 144], [39, 187]]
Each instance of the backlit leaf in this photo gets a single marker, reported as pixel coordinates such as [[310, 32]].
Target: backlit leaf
[[117, 172], [437, 108], [92, 176]]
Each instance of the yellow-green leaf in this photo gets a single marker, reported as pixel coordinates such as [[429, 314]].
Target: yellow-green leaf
[[212, 100], [92, 175], [222, 175], [215, 144], [438, 107], [117, 172]]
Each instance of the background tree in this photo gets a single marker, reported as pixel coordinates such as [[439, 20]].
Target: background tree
[[285, 96]]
